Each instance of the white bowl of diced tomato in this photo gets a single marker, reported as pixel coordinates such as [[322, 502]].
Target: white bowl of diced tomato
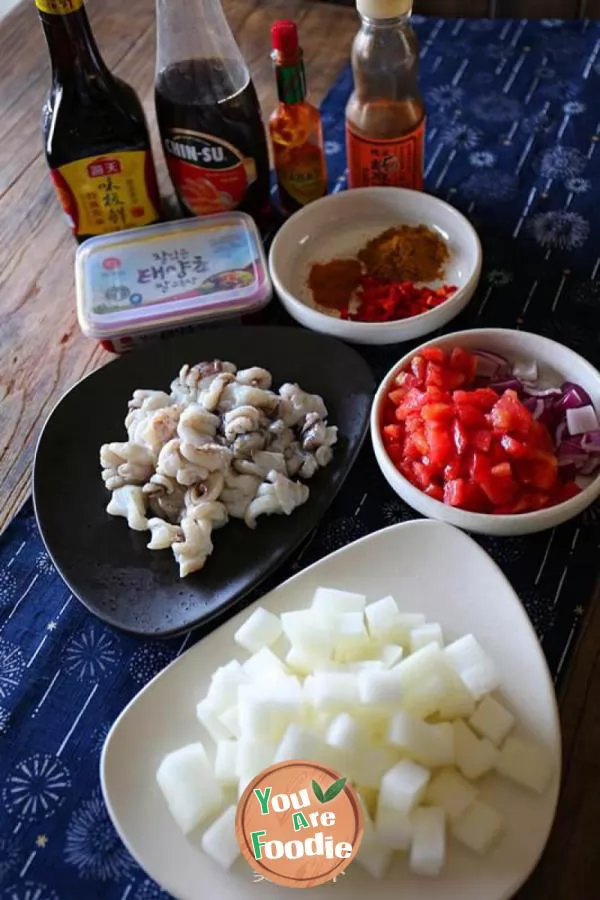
[[492, 430]]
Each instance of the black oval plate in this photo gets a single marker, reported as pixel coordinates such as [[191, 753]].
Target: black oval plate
[[105, 564]]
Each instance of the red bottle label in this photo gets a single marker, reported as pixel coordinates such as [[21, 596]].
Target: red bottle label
[[209, 175], [100, 194], [395, 163]]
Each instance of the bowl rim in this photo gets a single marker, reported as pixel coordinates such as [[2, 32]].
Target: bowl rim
[[572, 503], [471, 282]]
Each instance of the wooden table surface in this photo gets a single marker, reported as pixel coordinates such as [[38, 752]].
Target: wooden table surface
[[42, 352]]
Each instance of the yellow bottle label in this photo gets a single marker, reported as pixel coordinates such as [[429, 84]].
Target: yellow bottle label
[[58, 7], [107, 193], [301, 173]]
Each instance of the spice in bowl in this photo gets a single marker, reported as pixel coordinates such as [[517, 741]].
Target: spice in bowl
[[386, 280]]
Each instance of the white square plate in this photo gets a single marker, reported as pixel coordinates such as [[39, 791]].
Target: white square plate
[[428, 567]]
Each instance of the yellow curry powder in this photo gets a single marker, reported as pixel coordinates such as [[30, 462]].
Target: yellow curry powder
[[406, 253]]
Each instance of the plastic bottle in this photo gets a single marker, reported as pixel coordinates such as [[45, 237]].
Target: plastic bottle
[[385, 116]]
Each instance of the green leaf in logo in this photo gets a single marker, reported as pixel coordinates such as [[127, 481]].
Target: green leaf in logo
[[334, 789], [318, 792]]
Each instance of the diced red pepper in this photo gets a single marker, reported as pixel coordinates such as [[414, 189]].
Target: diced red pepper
[[434, 354], [461, 437], [439, 443], [437, 412], [509, 415]]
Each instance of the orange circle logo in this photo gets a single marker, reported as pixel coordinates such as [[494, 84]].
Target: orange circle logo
[[299, 824]]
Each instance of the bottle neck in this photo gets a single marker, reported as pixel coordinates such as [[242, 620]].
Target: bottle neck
[[71, 44], [370, 24], [291, 78]]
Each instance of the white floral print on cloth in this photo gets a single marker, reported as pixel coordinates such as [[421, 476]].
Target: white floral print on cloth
[[65, 676]]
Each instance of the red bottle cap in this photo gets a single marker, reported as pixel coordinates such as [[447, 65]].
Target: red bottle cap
[[285, 37]]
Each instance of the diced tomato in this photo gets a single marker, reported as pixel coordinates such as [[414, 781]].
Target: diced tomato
[[461, 437], [453, 469], [463, 361], [502, 470], [509, 414], [397, 396], [413, 400], [471, 416], [513, 447], [482, 398], [479, 468], [465, 495], [439, 441], [437, 412], [472, 449], [393, 433], [499, 489], [418, 365], [435, 491], [424, 474], [434, 354], [481, 439]]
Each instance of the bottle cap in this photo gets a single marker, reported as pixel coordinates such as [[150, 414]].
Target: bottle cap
[[383, 9], [284, 34]]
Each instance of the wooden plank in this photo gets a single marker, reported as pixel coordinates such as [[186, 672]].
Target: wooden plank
[[42, 352], [570, 866]]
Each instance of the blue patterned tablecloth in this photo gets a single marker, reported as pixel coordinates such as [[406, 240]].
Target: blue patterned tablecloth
[[512, 140]]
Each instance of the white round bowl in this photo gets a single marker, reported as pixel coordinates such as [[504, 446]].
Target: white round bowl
[[556, 364], [339, 225]]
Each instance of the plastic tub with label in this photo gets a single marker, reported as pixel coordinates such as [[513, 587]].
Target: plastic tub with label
[[133, 286]]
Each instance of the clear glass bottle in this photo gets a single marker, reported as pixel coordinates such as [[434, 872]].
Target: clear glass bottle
[[208, 112], [295, 126], [385, 116]]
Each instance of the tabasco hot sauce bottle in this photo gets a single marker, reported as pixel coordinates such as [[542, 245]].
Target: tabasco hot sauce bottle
[[295, 126], [95, 133], [385, 116]]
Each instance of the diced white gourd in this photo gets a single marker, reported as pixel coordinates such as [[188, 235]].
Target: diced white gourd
[[209, 718], [224, 684], [428, 848], [474, 756], [380, 689], [308, 635], [406, 622], [428, 745], [368, 768], [363, 665], [332, 691], [230, 720], [188, 785], [264, 665], [351, 640], [525, 763], [493, 721], [392, 828], [477, 670], [253, 758], [404, 785], [261, 629], [329, 603], [372, 856], [425, 680], [344, 733], [373, 722], [298, 662], [390, 655], [302, 743], [430, 633], [226, 762], [268, 717], [457, 702], [381, 617], [478, 827], [219, 840], [451, 792]]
